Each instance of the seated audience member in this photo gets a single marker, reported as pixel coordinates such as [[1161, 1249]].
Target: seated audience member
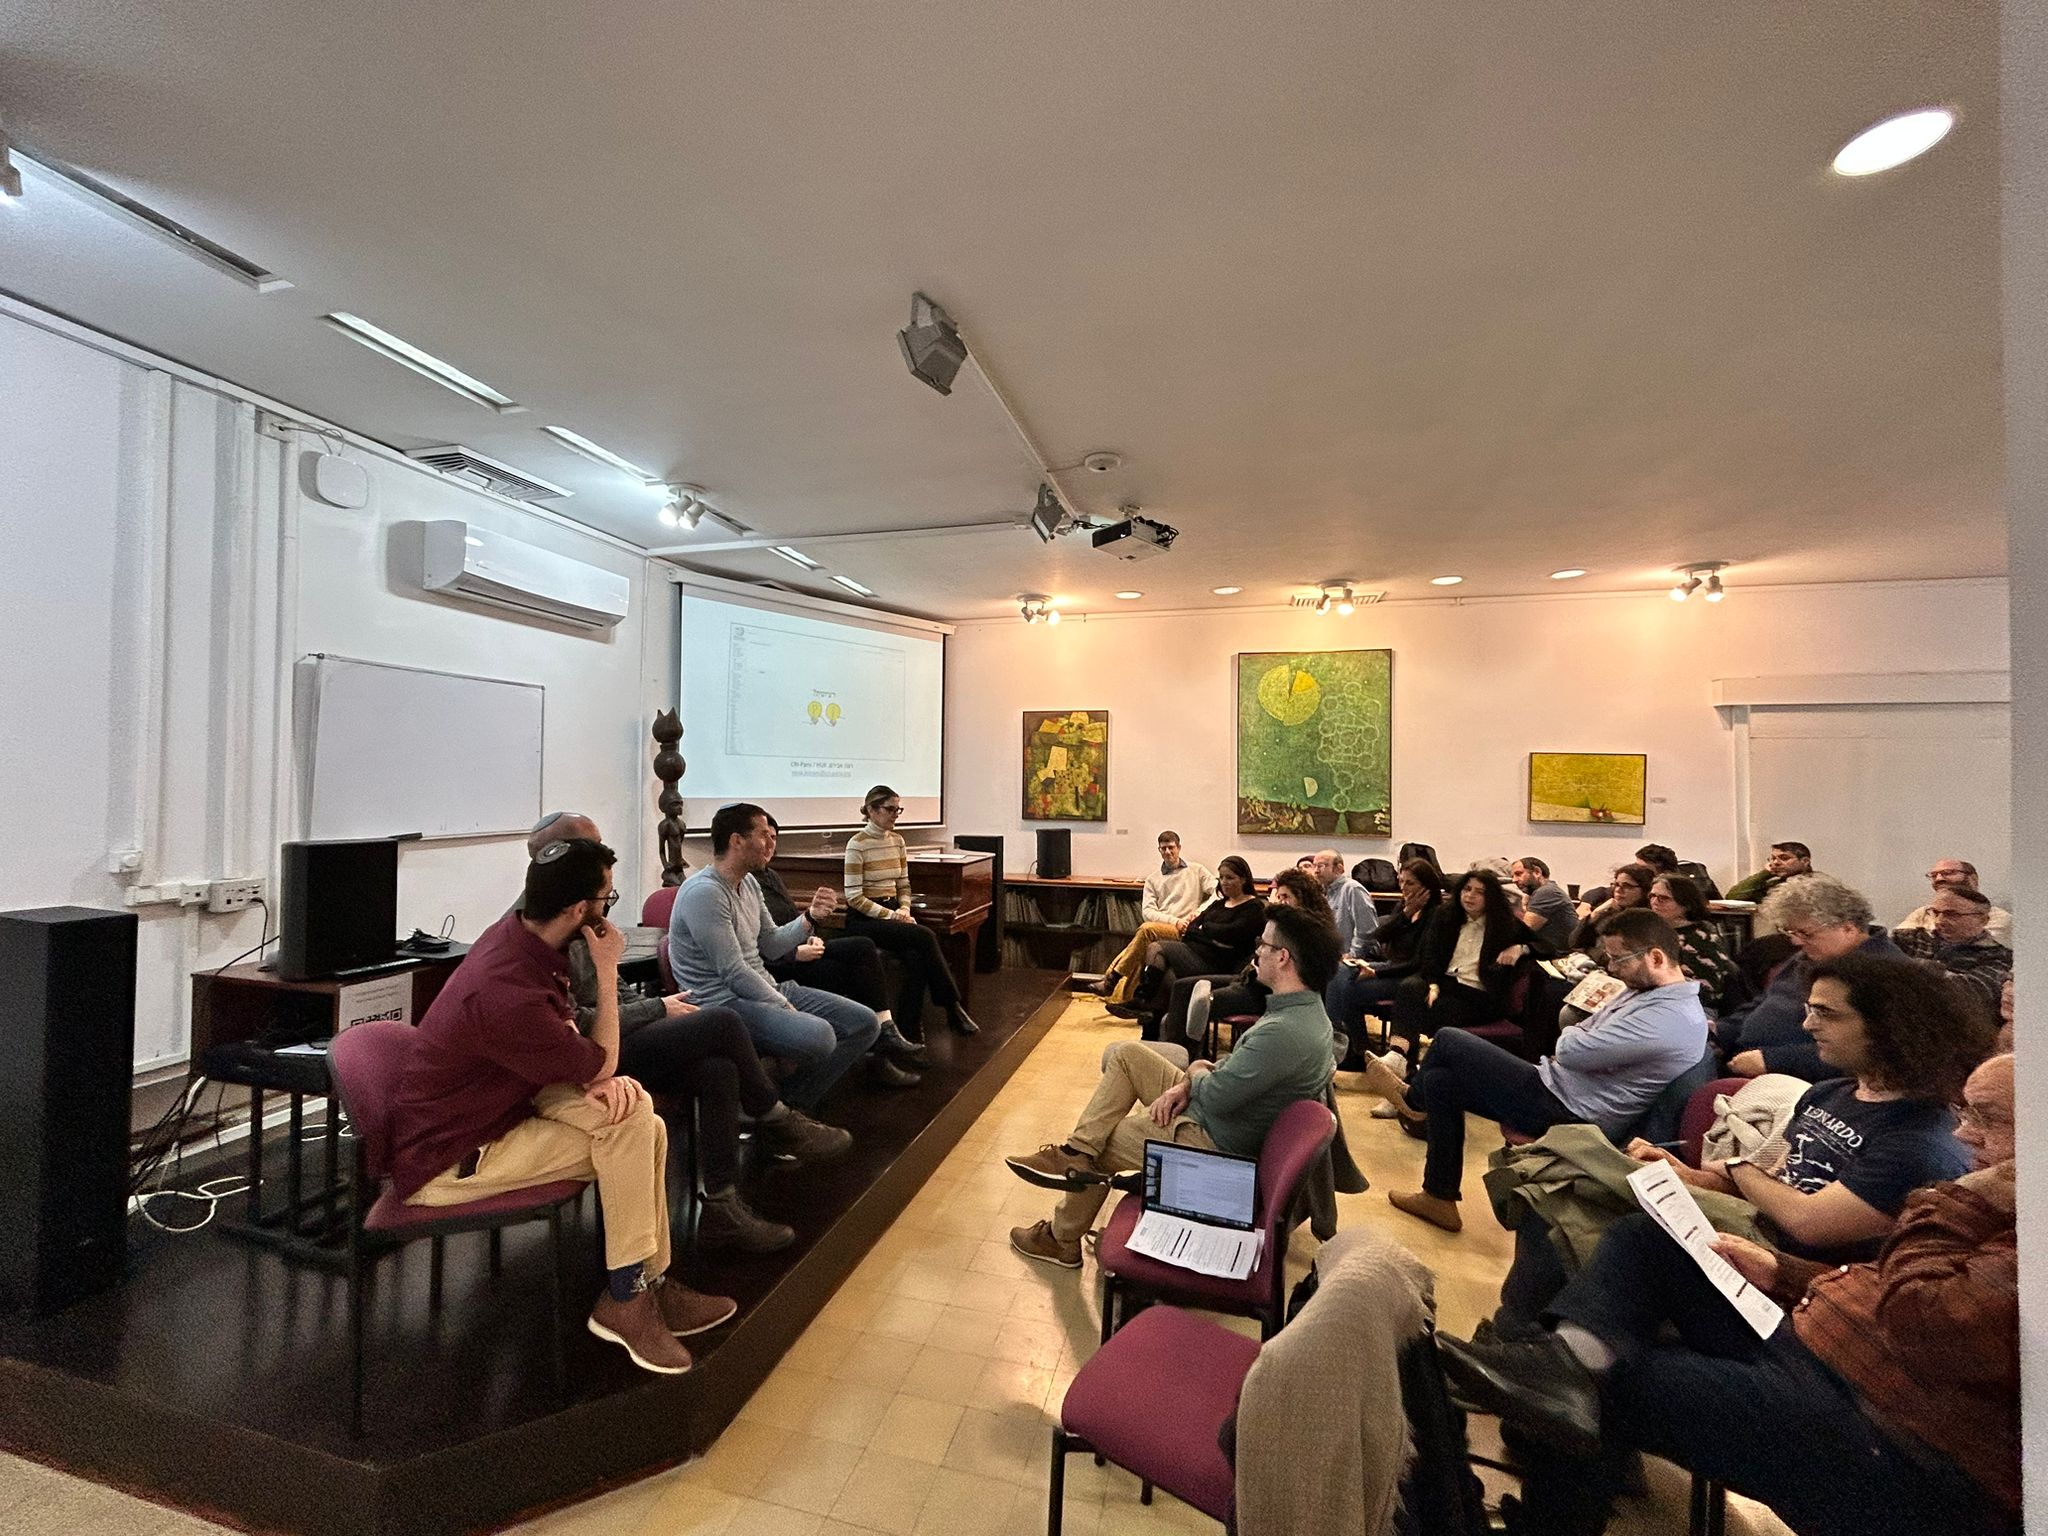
[[850, 966], [1825, 920], [1629, 889], [500, 1092], [671, 1046], [1464, 967], [878, 909], [1608, 1070], [1787, 860], [1957, 875], [1194, 1000], [1547, 911], [1217, 940], [1960, 942], [719, 943], [1350, 904], [1900, 1044], [1661, 859], [1143, 1097], [2005, 1015], [1701, 954], [1174, 893], [1886, 1403], [1757, 965]]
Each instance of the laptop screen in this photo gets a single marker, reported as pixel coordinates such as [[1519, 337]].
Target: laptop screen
[[1200, 1185]]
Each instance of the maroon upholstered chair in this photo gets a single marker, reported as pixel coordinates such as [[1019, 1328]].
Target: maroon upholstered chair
[[1153, 1400], [1698, 1118], [655, 910], [1294, 1145], [367, 1063]]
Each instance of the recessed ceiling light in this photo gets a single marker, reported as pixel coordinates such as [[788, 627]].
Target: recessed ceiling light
[[1127, 596], [599, 452], [402, 352], [1226, 591], [1445, 581], [795, 556], [1894, 141], [853, 586], [1567, 574]]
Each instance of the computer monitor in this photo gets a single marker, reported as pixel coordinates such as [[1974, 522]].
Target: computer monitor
[[339, 908]]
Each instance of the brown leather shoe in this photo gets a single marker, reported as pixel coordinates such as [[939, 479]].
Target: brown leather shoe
[[1052, 1166], [1038, 1242], [1427, 1207], [684, 1311], [636, 1326]]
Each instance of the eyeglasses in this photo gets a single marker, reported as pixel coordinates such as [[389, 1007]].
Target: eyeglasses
[[1626, 954], [611, 899], [1272, 949], [893, 810]]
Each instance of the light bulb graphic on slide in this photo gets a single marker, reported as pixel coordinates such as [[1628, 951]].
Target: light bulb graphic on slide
[[814, 709], [833, 712]]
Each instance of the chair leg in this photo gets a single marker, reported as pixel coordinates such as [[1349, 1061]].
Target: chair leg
[[1108, 1305], [1709, 1513], [355, 1341], [1144, 1491], [555, 1306], [434, 1261], [497, 1251], [1055, 1501]]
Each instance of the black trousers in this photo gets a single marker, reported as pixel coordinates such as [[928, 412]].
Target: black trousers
[[1457, 1006], [919, 959], [850, 967], [708, 1056]]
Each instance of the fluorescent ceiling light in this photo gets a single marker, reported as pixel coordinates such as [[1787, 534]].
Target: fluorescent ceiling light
[[1567, 574], [1894, 141], [1127, 596], [1445, 581], [398, 350], [10, 175], [1226, 591], [795, 556], [852, 586], [603, 455]]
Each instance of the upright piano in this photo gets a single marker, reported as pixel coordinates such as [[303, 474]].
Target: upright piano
[[951, 893]]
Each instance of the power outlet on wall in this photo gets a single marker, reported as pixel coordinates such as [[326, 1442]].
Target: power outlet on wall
[[233, 895]]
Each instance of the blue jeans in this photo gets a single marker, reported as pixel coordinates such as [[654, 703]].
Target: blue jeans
[[1764, 1416], [825, 1034], [1349, 995], [1463, 1072]]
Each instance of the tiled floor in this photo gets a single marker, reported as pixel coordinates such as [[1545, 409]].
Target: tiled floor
[[920, 1399]]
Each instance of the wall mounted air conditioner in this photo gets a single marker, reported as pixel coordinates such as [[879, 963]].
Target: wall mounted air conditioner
[[462, 560]]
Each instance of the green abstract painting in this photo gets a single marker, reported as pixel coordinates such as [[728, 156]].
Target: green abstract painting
[[1066, 765], [1315, 742]]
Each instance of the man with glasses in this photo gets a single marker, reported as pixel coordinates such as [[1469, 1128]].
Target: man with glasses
[[1825, 919], [501, 1092], [1144, 1097], [1607, 1070], [1957, 875], [1786, 861], [1961, 942]]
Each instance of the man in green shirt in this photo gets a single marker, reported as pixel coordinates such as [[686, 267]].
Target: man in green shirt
[[1786, 860], [1228, 1107]]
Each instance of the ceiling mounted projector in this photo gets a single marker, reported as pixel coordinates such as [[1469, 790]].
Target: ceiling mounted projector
[[1135, 538], [931, 344]]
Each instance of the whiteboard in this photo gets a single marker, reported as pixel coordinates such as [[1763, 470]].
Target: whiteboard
[[385, 751]]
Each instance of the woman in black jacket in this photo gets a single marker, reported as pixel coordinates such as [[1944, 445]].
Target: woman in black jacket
[[1218, 940], [1368, 986], [1465, 965]]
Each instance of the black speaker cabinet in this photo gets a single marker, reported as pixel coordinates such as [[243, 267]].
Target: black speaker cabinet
[[67, 1056], [988, 943], [1055, 853]]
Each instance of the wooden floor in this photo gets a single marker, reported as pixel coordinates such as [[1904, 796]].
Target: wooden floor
[[918, 1400]]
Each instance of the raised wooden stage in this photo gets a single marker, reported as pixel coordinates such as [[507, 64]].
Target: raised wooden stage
[[216, 1378]]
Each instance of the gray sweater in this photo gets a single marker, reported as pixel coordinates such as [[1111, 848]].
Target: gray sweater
[[720, 938]]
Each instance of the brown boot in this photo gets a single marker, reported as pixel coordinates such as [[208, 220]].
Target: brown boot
[[1427, 1207], [637, 1327], [684, 1311]]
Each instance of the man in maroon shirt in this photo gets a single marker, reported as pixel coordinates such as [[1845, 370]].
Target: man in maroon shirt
[[501, 1092]]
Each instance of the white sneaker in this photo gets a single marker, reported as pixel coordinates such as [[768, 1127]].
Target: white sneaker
[[1383, 1111], [1395, 1063]]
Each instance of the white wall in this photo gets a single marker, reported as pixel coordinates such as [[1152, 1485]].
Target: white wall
[[163, 572], [1477, 686]]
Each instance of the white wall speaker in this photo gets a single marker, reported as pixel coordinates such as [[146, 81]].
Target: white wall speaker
[[337, 481]]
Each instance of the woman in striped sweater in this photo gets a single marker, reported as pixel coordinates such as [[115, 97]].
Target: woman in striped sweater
[[878, 908]]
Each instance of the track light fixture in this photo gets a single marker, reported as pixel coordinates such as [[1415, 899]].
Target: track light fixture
[[1036, 606], [931, 345], [1702, 574], [10, 173], [683, 505], [1337, 595]]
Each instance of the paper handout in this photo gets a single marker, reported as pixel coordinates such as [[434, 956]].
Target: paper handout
[[1663, 1194]]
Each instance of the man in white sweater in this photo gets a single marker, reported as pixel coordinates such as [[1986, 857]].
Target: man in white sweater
[[1176, 890]]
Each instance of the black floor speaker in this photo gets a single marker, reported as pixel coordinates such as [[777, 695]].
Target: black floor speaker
[[1055, 853], [67, 1054], [988, 942]]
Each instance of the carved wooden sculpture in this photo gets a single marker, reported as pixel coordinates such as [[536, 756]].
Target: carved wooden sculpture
[[668, 767]]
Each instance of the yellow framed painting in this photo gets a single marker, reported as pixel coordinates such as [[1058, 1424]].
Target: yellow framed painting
[[1600, 788]]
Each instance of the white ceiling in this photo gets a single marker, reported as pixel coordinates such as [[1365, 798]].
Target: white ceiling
[[1361, 289]]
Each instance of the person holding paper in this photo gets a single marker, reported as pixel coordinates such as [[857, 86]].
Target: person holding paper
[[1886, 1400], [1144, 1097], [1607, 1070]]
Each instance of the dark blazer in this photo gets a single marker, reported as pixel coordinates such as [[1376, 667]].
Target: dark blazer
[[1440, 942], [1399, 936]]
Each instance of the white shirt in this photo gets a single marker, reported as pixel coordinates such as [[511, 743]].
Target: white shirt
[[1465, 957]]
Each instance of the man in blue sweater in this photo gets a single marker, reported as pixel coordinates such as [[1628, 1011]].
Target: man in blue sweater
[[1608, 1070]]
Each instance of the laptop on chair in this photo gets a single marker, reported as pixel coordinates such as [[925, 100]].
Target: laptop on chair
[[1199, 1210]]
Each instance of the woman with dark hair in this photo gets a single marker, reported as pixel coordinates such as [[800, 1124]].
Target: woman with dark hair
[[1702, 955], [1464, 965], [1629, 888], [1368, 986], [1194, 1000], [1905, 1037], [1218, 940], [878, 908]]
